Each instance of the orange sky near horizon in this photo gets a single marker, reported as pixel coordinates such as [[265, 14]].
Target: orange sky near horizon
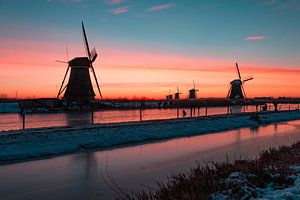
[[134, 74]]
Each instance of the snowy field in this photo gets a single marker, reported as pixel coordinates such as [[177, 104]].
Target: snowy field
[[35, 143], [9, 108]]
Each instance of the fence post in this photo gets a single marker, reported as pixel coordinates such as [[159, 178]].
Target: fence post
[[177, 112], [191, 111], [92, 117], [141, 118], [23, 120], [206, 111]]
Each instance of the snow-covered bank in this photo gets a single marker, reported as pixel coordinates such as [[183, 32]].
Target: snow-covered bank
[[272, 191], [34, 143]]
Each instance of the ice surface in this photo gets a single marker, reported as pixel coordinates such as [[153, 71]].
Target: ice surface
[[31, 143]]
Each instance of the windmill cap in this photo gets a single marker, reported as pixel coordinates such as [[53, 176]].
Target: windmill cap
[[236, 82], [80, 61]]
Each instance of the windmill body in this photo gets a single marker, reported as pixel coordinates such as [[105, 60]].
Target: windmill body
[[79, 87], [236, 90], [193, 92], [177, 94]]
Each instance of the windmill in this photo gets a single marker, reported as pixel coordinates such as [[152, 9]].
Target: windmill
[[79, 86], [177, 94], [236, 90], [193, 92], [169, 96]]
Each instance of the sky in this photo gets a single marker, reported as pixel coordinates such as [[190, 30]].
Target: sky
[[147, 48]]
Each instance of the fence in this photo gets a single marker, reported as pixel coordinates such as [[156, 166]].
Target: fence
[[16, 121]]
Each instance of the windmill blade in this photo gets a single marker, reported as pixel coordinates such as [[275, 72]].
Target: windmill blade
[[243, 91], [61, 61], [96, 81], [87, 48], [62, 84], [194, 84], [64, 88], [247, 79], [238, 70], [229, 91], [177, 89], [93, 55]]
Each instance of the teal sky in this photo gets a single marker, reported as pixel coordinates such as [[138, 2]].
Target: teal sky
[[213, 28]]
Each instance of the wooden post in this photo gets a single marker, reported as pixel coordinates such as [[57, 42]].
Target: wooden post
[[177, 112], [206, 111], [141, 117], [191, 111], [198, 111], [92, 117], [23, 119], [289, 106], [227, 109]]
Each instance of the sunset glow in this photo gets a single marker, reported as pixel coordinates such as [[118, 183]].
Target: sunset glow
[[147, 49]]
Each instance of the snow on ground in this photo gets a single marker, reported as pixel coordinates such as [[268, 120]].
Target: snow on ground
[[270, 192], [33, 143], [9, 107]]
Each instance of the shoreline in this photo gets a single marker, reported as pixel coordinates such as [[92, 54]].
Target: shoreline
[[274, 174], [19, 146]]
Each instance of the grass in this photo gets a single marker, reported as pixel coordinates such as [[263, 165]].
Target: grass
[[271, 167]]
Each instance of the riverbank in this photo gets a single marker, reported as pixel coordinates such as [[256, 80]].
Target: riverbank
[[275, 174], [45, 142]]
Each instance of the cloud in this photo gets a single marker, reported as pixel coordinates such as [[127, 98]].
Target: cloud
[[119, 10], [113, 1], [258, 37], [70, 1], [161, 7], [283, 4]]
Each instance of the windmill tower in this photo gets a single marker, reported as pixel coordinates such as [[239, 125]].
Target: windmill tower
[[193, 92], [236, 90], [79, 87], [169, 96], [177, 94]]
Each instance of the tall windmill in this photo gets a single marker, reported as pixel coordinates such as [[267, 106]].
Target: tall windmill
[[79, 86], [193, 92], [236, 90], [177, 94]]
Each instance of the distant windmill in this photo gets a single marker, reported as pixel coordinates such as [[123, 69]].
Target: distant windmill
[[169, 96], [79, 86], [236, 90], [193, 92], [177, 94]]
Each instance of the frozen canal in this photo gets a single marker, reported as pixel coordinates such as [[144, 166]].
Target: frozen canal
[[80, 175]]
